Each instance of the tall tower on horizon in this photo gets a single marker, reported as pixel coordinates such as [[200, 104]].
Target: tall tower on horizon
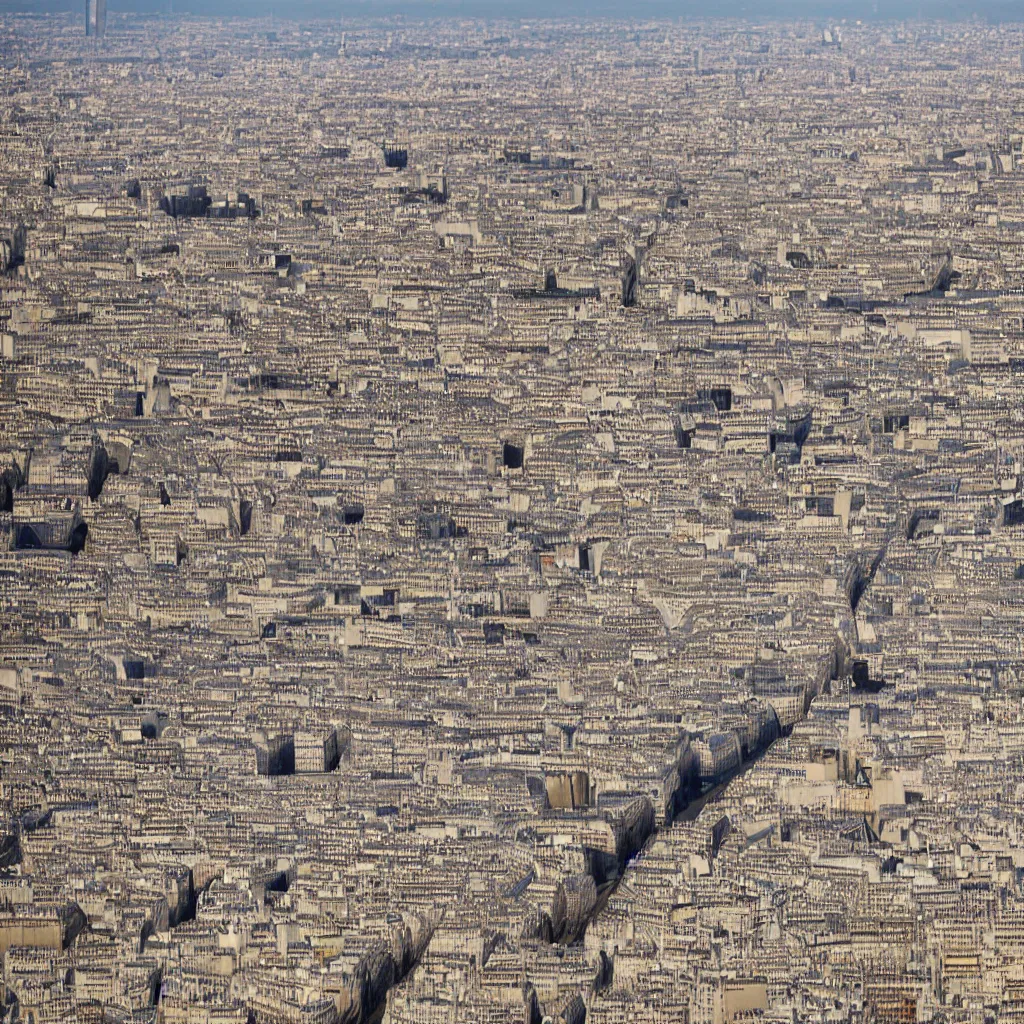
[[96, 18]]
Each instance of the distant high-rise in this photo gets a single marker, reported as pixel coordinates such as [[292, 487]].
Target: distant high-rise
[[96, 17]]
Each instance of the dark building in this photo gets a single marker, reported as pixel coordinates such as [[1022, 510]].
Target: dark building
[[1013, 512], [395, 156], [276, 756], [720, 397], [12, 250], [630, 280], [198, 203], [512, 455], [96, 18]]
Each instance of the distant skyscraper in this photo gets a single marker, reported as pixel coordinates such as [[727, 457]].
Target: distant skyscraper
[[96, 17]]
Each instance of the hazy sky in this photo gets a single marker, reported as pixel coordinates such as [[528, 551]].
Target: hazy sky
[[994, 10]]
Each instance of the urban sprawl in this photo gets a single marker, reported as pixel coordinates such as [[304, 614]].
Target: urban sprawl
[[511, 522]]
